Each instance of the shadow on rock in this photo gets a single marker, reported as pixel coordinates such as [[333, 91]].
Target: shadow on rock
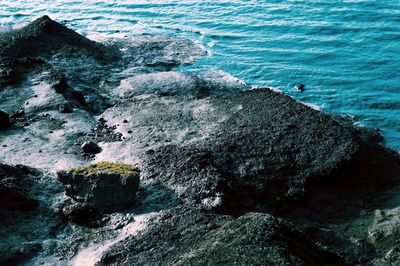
[[345, 205]]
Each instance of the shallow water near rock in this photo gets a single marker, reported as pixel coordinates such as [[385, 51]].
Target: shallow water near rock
[[345, 52]]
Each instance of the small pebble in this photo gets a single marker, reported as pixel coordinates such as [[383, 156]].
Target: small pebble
[[125, 121], [90, 148]]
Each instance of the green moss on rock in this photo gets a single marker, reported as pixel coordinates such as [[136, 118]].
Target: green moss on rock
[[101, 186], [102, 168]]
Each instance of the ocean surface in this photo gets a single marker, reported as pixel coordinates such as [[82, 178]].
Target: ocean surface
[[345, 52]]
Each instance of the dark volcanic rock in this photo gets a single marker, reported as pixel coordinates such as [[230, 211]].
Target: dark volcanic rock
[[4, 120], [192, 237], [102, 186], [44, 37], [254, 149], [90, 148], [356, 209], [65, 108], [13, 70], [14, 190], [26, 215], [82, 214]]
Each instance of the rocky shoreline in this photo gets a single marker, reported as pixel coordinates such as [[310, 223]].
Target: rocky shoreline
[[228, 174]]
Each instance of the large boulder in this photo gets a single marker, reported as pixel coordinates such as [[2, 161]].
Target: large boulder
[[102, 186], [254, 148], [193, 237]]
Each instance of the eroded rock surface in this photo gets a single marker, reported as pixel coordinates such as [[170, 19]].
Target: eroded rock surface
[[251, 148], [194, 237]]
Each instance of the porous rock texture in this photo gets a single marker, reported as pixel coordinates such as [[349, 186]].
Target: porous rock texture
[[194, 237], [253, 148], [212, 153]]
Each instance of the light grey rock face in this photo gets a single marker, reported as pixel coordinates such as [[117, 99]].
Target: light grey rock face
[[254, 147], [101, 189], [176, 83], [194, 237]]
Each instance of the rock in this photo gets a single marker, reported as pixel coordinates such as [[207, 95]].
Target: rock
[[19, 113], [4, 120], [13, 198], [45, 37], [66, 108], [102, 186], [253, 150], [61, 84], [386, 227], [300, 87], [13, 70], [14, 190], [176, 83], [82, 214], [392, 257], [90, 148], [16, 256], [193, 237]]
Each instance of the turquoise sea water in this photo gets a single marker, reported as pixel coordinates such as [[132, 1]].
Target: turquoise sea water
[[346, 52]]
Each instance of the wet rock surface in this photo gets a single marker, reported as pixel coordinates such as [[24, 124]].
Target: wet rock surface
[[211, 152]]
